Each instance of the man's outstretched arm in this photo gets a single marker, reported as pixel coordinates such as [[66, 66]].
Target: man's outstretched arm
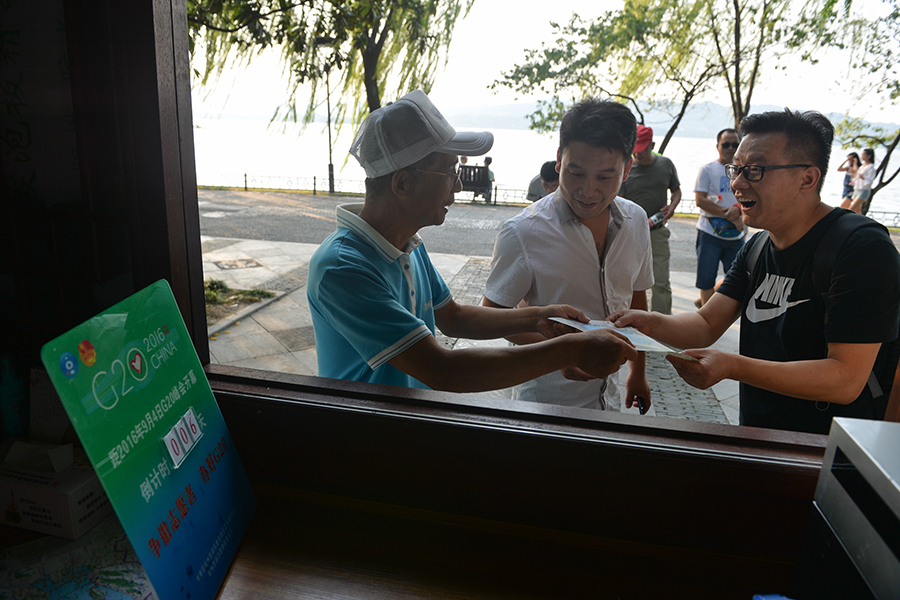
[[487, 323], [685, 330], [838, 378], [520, 339], [599, 353]]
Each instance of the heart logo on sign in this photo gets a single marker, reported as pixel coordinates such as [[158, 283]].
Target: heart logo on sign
[[137, 363]]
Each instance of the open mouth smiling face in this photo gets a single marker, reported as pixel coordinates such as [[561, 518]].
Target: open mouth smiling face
[[745, 202], [766, 179]]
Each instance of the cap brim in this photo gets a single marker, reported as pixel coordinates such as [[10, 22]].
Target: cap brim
[[468, 143]]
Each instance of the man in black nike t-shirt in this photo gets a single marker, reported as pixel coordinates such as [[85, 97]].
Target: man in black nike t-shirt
[[809, 351]]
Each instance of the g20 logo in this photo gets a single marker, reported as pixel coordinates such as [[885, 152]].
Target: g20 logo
[[137, 367], [68, 364]]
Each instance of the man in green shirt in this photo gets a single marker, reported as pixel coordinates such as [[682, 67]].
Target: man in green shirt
[[651, 177]]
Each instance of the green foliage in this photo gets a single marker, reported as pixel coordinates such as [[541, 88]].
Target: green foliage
[[647, 48], [217, 291], [373, 48], [217, 285], [667, 52], [874, 47]]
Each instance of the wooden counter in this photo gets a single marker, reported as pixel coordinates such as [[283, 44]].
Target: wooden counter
[[369, 492]]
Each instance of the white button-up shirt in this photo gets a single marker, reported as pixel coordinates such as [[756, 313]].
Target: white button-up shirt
[[545, 255]]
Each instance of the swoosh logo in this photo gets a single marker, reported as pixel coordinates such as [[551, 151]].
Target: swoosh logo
[[774, 289]]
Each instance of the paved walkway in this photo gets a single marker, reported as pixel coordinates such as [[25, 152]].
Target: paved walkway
[[279, 335]]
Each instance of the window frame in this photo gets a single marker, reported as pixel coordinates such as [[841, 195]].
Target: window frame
[[131, 84]]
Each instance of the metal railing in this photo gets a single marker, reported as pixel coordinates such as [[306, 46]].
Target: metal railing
[[313, 184], [501, 195]]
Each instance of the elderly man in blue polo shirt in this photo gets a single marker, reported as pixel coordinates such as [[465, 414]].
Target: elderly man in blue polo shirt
[[376, 298]]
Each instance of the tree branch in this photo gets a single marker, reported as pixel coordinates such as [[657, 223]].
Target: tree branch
[[724, 64], [262, 16], [383, 34], [763, 21], [738, 57]]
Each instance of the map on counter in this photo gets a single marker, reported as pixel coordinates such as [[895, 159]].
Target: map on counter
[[101, 564], [643, 343]]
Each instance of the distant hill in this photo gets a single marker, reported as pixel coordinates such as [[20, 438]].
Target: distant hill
[[703, 119]]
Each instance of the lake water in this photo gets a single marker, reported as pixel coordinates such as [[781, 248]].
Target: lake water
[[279, 156]]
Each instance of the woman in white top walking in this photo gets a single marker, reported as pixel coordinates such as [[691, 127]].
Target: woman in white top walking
[[862, 185]]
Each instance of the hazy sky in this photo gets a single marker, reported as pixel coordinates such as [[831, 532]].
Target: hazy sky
[[493, 38]]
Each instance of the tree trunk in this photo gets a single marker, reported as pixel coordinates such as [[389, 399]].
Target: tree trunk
[[370, 78], [737, 105], [685, 104]]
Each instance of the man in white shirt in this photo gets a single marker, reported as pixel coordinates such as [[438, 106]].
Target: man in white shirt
[[581, 245], [720, 232]]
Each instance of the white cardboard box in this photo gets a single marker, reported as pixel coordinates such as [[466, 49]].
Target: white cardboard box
[[50, 488]]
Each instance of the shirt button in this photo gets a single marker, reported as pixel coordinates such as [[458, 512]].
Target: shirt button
[[406, 267]]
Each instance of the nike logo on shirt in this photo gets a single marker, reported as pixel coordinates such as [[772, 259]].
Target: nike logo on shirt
[[775, 289]]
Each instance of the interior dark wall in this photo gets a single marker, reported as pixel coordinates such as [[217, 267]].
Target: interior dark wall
[[96, 166]]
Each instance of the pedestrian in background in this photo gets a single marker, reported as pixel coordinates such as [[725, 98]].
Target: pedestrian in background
[[848, 167], [653, 185], [720, 232], [862, 185], [545, 182]]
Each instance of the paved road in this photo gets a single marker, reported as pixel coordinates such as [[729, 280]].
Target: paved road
[[469, 228]]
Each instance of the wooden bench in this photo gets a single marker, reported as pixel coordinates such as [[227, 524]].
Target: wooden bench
[[476, 179]]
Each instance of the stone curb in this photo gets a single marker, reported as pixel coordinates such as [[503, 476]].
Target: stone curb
[[222, 324]]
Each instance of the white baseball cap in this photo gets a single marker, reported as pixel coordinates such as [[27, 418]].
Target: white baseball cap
[[406, 131]]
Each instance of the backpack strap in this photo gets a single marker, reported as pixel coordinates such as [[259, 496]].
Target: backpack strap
[[829, 247], [832, 242], [756, 245]]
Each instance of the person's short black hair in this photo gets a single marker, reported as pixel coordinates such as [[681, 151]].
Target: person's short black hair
[[724, 131], [488, 160], [601, 124], [549, 172], [809, 133]]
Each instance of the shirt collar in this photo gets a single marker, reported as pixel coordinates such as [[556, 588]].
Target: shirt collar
[[565, 213], [348, 217]]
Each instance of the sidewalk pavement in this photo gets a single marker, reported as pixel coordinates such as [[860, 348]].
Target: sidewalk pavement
[[278, 335]]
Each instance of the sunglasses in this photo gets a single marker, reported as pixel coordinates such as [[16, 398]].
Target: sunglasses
[[727, 145]]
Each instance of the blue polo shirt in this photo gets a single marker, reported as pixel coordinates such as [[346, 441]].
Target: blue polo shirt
[[370, 302]]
